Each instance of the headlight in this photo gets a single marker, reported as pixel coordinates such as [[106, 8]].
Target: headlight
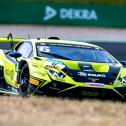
[[123, 79], [56, 74]]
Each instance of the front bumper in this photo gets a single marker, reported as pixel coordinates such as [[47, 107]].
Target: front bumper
[[82, 92], [58, 88]]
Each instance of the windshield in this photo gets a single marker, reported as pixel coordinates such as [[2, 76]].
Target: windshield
[[74, 52]]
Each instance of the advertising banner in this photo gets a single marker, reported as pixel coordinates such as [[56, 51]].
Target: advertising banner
[[62, 14]]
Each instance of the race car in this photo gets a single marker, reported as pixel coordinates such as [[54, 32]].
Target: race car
[[53, 67]]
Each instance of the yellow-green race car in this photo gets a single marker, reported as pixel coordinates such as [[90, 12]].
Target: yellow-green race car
[[61, 68]]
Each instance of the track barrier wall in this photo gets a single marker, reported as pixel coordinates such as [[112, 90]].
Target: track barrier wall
[[62, 14]]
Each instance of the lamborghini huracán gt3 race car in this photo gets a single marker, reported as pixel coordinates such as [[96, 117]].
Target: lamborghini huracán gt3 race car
[[61, 68]]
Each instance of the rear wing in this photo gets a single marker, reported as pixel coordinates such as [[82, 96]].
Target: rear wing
[[9, 42]]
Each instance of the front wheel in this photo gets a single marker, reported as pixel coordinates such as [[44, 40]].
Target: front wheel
[[24, 81]]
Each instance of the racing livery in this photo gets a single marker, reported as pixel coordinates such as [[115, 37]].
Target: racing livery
[[61, 68]]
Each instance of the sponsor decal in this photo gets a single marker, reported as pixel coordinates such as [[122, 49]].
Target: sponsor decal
[[82, 74], [44, 49], [70, 13], [54, 63], [9, 73], [96, 75], [95, 84], [91, 74], [33, 81]]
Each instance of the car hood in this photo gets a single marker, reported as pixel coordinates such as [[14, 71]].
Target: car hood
[[94, 72], [86, 71]]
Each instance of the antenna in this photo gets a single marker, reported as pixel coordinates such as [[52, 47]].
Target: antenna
[[45, 28], [45, 31], [29, 36], [10, 38]]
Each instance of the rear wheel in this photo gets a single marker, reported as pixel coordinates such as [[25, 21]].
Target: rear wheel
[[24, 81]]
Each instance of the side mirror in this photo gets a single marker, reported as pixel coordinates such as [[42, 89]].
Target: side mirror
[[123, 63], [15, 54]]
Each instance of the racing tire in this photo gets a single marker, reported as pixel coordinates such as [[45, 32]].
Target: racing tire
[[24, 81]]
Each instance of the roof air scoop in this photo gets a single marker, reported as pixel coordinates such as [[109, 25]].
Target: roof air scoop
[[56, 38]]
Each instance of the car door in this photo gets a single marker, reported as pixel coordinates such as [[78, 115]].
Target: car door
[[11, 64]]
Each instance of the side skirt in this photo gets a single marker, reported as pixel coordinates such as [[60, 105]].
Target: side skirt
[[6, 89]]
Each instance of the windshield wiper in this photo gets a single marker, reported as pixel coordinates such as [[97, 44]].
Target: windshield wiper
[[56, 55]]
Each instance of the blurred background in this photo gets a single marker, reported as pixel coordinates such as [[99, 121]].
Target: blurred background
[[102, 22]]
